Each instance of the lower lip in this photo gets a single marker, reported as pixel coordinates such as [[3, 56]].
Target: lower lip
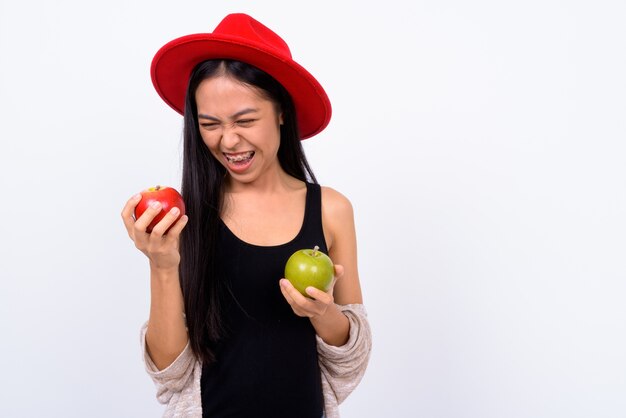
[[239, 167]]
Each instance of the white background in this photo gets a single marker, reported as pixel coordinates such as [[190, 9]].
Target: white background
[[481, 144]]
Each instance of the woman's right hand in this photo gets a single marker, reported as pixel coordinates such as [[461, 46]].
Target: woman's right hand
[[161, 249]]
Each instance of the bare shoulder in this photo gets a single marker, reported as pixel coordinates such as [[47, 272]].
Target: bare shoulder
[[337, 216], [340, 233], [335, 204]]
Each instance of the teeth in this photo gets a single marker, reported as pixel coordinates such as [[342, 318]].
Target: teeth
[[235, 158]]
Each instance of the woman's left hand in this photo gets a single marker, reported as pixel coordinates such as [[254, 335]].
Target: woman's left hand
[[318, 301]]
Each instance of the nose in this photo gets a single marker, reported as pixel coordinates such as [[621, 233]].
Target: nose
[[230, 137]]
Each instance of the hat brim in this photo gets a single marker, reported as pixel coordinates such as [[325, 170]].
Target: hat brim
[[173, 63]]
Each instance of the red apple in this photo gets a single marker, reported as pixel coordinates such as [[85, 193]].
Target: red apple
[[309, 268], [167, 196]]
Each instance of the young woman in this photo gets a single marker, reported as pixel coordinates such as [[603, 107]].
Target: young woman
[[227, 335]]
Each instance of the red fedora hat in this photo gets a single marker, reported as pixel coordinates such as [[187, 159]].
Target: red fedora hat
[[240, 37]]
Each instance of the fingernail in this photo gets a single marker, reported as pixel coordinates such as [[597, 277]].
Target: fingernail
[[155, 205], [137, 196], [174, 211]]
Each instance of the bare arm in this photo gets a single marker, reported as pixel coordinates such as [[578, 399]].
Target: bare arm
[[329, 322], [166, 336], [340, 232]]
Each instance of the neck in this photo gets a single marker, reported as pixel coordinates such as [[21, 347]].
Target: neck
[[274, 181]]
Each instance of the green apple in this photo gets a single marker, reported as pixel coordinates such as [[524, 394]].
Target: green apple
[[309, 268]]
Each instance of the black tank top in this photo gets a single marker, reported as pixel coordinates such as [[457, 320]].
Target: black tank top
[[267, 362]]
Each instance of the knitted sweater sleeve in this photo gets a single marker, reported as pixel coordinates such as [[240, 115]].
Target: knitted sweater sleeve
[[178, 385], [343, 367]]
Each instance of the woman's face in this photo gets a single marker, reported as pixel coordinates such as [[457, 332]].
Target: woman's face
[[240, 127]]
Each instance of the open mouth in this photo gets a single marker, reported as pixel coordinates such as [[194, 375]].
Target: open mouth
[[240, 158]]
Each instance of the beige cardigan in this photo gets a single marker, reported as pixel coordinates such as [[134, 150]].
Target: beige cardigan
[[178, 385]]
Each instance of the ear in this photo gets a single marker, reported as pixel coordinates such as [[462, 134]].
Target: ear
[[280, 118]]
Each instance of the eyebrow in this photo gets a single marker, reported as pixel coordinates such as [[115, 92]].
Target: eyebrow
[[233, 116]]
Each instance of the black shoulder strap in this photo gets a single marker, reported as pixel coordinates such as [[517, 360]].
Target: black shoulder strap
[[313, 230]]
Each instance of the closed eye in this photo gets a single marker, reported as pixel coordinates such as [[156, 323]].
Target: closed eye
[[210, 125], [245, 122]]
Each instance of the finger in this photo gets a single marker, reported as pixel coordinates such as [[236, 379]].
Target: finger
[[170, 217], [129, 209], [291, 294], [294, 294], [318, 295], [284, 285], [175, 231], [331, 288], [303, 302], [151, 212], [339, 271]]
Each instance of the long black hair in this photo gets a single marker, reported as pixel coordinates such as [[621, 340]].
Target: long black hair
[[203, 180]]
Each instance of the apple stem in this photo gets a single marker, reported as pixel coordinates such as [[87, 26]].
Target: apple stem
[[315, 250]]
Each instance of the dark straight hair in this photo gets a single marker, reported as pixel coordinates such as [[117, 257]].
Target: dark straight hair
[[203, 180]]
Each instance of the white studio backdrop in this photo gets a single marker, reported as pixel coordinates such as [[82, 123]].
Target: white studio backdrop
[[481, 143]]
